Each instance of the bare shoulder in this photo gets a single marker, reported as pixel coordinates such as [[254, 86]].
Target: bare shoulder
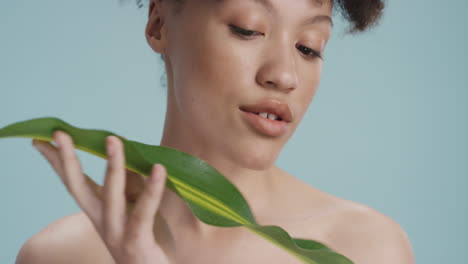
[[71, 239], [355, 230], [367, 236]]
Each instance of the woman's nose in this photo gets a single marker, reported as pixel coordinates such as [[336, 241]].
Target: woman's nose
[[279, 70]]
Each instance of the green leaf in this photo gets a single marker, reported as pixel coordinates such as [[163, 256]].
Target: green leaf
[[210, 195]]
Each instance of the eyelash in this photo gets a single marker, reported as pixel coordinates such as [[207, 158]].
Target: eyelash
[[242, 32]]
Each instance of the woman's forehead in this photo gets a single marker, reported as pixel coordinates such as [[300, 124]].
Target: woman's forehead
[[315, 2], [268, 4]]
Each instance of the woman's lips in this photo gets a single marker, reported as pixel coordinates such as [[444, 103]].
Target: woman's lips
[[265, 126]]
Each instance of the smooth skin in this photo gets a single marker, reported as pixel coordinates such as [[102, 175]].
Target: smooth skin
[[128, 236], [212, 70]]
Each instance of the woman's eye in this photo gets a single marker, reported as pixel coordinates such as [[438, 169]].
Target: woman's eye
[[310, 52], [243, 32], [248, 33]]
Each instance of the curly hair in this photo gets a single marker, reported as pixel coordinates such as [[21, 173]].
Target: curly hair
[[361, 14]]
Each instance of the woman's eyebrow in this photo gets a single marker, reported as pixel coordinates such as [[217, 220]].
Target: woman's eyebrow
[[271, 9]]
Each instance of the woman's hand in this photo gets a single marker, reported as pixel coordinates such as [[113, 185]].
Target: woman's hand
[[129, 237]]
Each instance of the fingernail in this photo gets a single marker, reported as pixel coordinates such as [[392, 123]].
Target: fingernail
[[39, 147], [56, 143], [155, 175], [109, 147]]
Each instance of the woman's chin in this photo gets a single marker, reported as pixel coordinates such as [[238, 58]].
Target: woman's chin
[[258, 162]]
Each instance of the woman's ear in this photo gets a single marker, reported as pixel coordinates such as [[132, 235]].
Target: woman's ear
[[155, 29]]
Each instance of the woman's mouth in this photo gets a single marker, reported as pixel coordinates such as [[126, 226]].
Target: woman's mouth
[[265, 123], [268, 115]]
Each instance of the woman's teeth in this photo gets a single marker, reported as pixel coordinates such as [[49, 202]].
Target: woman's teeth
[[268, 115]]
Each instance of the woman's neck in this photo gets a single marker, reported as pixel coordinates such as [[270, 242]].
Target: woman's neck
[[256, 186]]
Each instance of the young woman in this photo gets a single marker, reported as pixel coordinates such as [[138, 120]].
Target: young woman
[[241, 75]]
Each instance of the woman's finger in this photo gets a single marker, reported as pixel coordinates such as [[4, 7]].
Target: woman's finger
[[141, 220], [114, 188], [50, 153], [75, 180]]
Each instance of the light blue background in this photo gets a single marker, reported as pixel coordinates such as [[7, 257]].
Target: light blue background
[[388, 126]]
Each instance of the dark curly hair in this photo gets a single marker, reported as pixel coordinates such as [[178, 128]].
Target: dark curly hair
[[361, 14]]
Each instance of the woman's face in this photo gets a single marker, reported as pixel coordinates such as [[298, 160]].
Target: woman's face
[[213, 70]]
